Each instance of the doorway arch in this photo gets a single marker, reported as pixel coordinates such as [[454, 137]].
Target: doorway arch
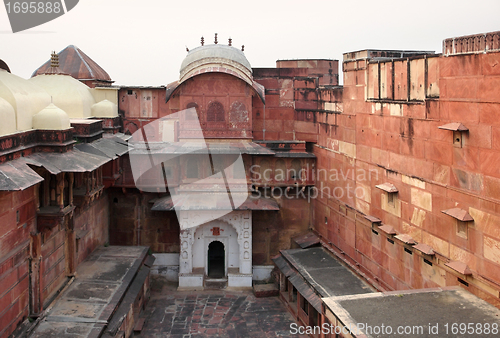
[[216, 260]]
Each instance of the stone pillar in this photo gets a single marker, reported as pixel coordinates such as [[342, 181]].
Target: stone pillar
[[245, 241], [187, 279], [186, 254], [242, 222]]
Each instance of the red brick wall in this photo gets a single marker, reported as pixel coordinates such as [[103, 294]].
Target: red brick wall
[[14, 252], [92, 224], [53, 264]]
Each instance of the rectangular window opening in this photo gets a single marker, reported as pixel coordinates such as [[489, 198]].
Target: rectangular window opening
[[462, 229], [130, 92], [427, 262], [374, 231], [390, 241], [304, 305], [390, 198], [461, 281], [408, 251]]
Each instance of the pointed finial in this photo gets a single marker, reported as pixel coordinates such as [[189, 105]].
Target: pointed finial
[[216, 42], [202, 40], [54, 60], [243, 48], [230, 42], [187, 49]]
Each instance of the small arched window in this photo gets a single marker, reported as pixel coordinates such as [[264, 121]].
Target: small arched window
[[238, 112], [215, 112]]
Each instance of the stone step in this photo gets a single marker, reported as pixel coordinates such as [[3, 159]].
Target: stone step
[[265, 290], [215, 283]]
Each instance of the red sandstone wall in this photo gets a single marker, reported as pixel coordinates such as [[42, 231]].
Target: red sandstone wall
[[138, 106], [133, 223], [391, 129], [50, 260], [14, 253], [273, 230]]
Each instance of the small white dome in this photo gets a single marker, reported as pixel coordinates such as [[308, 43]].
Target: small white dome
[[105, 108], [8, 118], [72, 96], [51, 118]]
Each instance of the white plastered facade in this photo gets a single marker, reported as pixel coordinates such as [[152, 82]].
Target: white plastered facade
[[235, 235]]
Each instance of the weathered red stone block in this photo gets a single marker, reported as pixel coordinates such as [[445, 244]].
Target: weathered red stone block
[[412, 147], [439, 152], [306, 105], [417, 111], [460, 65], [490, 162], [305, 83], [489, 89], [286, 64], [466, 158], [391, 142], [492, 189], [461, 88]]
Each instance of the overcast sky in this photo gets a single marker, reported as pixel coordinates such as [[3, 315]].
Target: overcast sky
[[143, 42]]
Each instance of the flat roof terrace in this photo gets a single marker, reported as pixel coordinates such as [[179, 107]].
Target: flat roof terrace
[[97, 301], [325, 273], [440, 312]]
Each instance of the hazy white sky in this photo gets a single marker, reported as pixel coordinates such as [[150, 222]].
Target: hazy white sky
[[143, 42]]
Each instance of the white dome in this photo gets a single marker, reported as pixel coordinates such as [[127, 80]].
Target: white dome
[[25, 98], [69, 94], [105, 108], [51, 118], [216, 56], [8, 118]]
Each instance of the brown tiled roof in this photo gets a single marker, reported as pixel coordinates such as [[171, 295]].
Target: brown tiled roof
[[76, 63]]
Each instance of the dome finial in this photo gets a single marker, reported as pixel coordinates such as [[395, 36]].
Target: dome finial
[[54, 65], [230, 42], [202, 40], [242, 48], [216, 42], [54, 60]]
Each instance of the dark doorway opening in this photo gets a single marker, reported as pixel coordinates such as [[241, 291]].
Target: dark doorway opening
[[216, 258]]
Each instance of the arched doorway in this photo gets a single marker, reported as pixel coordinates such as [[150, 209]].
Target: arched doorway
[[216, 260]]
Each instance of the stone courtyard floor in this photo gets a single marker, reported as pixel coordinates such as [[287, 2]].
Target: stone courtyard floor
[[212, 313]]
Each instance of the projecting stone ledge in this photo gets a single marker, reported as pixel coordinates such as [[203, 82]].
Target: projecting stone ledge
[[111, 284]]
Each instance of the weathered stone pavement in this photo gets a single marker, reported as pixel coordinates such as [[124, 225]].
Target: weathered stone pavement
[[212, 313]]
